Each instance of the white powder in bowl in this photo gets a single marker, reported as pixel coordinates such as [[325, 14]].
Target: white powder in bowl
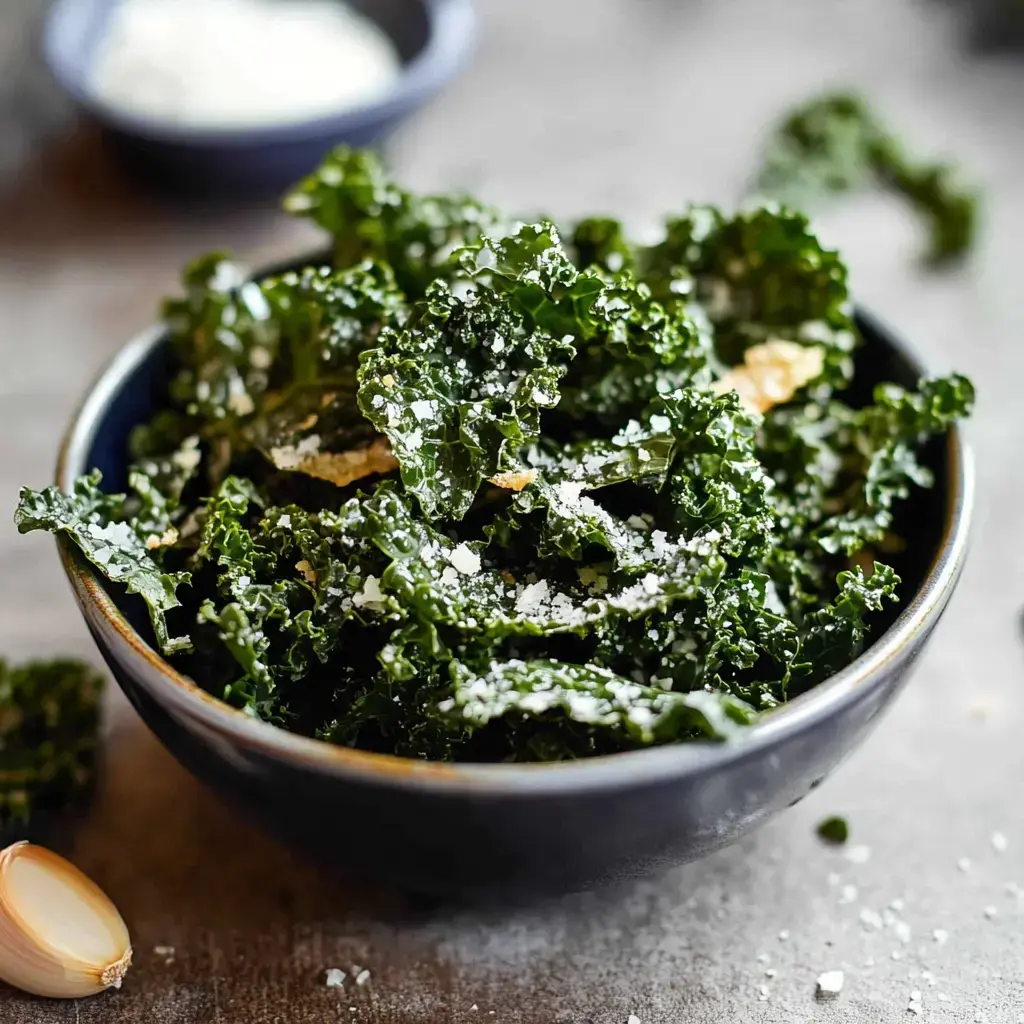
[[241, 63]]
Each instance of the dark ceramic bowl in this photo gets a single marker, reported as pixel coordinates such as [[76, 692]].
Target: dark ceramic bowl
[[487, 830], [433, 38]]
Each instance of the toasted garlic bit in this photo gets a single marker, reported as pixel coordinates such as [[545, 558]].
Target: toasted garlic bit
[[514, 480], [164, 540], [772, 373], [340, 468], [60, 936]]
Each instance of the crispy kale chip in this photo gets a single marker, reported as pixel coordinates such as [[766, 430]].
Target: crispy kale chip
[[458, 393], [836, 143], [120, 548], [369, 216], [759, 275], [472, 492], [49, 731], [595, 697]]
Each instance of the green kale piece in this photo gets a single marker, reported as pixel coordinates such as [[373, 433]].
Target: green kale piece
[[117, 547], [630, 346], [351, 197], [884, 439], [289, 582], [271, 365], [836, 143], [459, 392], [446, 583], [601, 242], [49, 733], [643, 349], [258, 609], [158, 484], [717, 483], [532, 270], [822, 146], [833, 830], [593, 697], [733, 637], [326, 317], [831, 637], [759, 275], [224, 341]]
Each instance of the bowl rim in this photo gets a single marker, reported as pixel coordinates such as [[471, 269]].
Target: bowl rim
[[184, 697], [451, 31]]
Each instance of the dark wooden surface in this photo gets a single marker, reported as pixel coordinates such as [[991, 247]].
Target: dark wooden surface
[[630, 106]]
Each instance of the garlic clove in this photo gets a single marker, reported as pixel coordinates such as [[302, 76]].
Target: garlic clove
[[60, 935]]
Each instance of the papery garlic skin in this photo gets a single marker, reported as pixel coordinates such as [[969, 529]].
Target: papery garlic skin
[[60, 935]]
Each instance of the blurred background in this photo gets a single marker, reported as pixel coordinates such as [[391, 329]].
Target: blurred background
[[569, 107]]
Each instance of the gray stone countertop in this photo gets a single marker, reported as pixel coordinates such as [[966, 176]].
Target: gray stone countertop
[[572, 106]]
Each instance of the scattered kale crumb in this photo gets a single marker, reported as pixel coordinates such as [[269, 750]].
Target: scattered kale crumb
[[834, 830], [481, 490], [49, 726], [836, 143]]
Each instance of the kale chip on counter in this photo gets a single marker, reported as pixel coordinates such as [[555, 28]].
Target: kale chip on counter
[[836, 143], [49, 731], [484, 490]]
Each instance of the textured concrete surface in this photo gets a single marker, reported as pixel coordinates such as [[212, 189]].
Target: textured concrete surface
[[630, 106]]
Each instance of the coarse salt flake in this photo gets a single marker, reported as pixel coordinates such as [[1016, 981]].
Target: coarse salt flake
[[371, 595], [830, 984], [465, 560]]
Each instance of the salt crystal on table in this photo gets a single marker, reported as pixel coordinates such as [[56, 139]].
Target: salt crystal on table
[[830, 984]]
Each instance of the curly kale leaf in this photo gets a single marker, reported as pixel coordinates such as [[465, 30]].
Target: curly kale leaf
[[117, 547], [49, 733], [820, 147], [445, 583], [369, 216], [292, 580], [882, 463], [326, 317], [630, 346], [717, 487], [224, 339], [532, 270], [836, 143], [594, 697], [458, 393], [831, 637], [717, 483], [760, 275], [159, 484], [732, 638], [272, 364], [225, 539], [645, 349], [601, 242], [558, 480]]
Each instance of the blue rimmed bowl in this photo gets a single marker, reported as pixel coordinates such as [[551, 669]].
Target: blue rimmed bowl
[[501, 830], [433, 39]]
